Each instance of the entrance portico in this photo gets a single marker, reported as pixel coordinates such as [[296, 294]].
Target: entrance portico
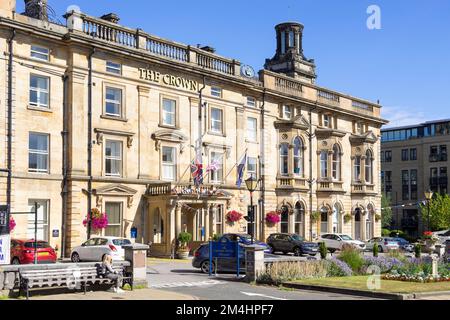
[[174, 208]]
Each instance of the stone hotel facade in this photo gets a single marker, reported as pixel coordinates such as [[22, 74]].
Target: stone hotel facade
[[98, 115]]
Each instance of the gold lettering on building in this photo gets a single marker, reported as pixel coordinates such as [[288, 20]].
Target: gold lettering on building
[[167, 79]]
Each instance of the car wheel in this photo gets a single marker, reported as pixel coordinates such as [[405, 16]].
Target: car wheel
[[332, 250], [204, 267], [75, 257], [15, 260], [297, 252], [380, 249], [285, 252]]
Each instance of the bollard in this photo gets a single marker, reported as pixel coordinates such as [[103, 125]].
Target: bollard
[[254, 262]]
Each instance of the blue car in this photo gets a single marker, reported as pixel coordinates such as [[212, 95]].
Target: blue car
[[246, 239]]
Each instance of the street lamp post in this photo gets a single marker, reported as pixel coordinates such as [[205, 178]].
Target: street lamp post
[[428, 196], [252, 184]]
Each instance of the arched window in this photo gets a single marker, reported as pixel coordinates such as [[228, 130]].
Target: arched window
[[299, 212], [324, 164], [336, 162], [357, 169], [337, 218], [284, 219], [357, 223], [369, 222], [284, 155], [298, 156], [369, 167], [324, 220]]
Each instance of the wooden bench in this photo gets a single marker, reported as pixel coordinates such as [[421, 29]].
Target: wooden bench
[[72, 277]]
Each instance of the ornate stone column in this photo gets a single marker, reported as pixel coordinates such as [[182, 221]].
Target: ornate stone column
[[178, 219]]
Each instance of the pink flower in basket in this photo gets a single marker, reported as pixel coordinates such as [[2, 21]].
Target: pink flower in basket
[[234, 216], [273, 217], [12, 224], [99, 220]]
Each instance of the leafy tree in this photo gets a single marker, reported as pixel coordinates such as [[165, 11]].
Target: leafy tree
[[439, 212], [386, 212]]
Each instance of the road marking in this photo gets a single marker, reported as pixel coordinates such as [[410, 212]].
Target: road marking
[[261, 295], [187, 284]]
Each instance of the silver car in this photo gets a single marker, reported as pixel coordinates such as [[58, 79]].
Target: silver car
[[96, 248], [384, 244]]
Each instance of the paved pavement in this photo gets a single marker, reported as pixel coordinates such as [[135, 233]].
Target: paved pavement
[[181, 277], [139, 294]]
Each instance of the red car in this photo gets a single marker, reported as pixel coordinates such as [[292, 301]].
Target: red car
[[22, 252]]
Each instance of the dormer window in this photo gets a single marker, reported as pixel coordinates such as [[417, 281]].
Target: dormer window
[[287, 112], [216, 92], [251, 102]]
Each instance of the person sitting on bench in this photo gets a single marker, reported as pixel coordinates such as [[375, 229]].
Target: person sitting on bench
[[106, 271]]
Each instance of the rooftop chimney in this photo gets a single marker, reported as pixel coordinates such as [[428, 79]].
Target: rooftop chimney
[[111, 17], [289, 58], [36, 9], [7, 7]]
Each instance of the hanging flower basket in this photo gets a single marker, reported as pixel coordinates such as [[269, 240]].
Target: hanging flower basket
[[347, 218], [234, 216], [99, 220], [12, 224], [273, 217]]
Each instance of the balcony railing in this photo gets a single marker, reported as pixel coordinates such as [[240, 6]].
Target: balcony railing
[[330, 185], [292, 182], [215, 63], [288, 86], [166, 49], [328, 95], [108, 31], [363, 188]]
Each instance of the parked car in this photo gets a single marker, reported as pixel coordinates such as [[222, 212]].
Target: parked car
[[96, 248], [335, 241], [22, 252], [443, 235], [447, 251], [201, 260], [384, 244], [246, 239], [291, 242], [404, 244]]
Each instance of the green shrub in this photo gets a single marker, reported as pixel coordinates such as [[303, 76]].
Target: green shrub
[[417, 250], [397, 233], [184, 238], [375, 250], [385, 232], [323, 250], [278, 272], [216, 237], [351, 256]]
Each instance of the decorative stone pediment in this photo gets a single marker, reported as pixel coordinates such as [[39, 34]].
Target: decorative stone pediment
[[209, 145], [328, 132], [115, 190], [298, 122], [100, 132], [174, 136], [368, 137]]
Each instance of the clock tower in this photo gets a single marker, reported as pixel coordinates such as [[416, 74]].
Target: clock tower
[[289, 58]]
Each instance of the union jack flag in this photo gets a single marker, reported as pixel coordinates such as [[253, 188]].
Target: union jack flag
[[213, 166], [197, 172]]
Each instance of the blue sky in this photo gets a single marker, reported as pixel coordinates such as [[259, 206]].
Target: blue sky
[[406, 64]]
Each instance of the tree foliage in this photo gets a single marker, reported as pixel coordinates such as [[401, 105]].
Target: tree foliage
[[439, 212], [386, 212]]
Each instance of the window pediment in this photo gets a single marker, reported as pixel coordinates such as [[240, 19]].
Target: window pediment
[[174, 136], [298, 122], [368, 137], [115, 190], [328, 132]]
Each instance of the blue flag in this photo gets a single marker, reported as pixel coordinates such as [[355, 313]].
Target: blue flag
[[241, 169]]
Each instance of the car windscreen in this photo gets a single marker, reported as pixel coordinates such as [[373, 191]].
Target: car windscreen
[[121, 242], [40, 245], [245, 237], [297, 237], [345, 237]]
